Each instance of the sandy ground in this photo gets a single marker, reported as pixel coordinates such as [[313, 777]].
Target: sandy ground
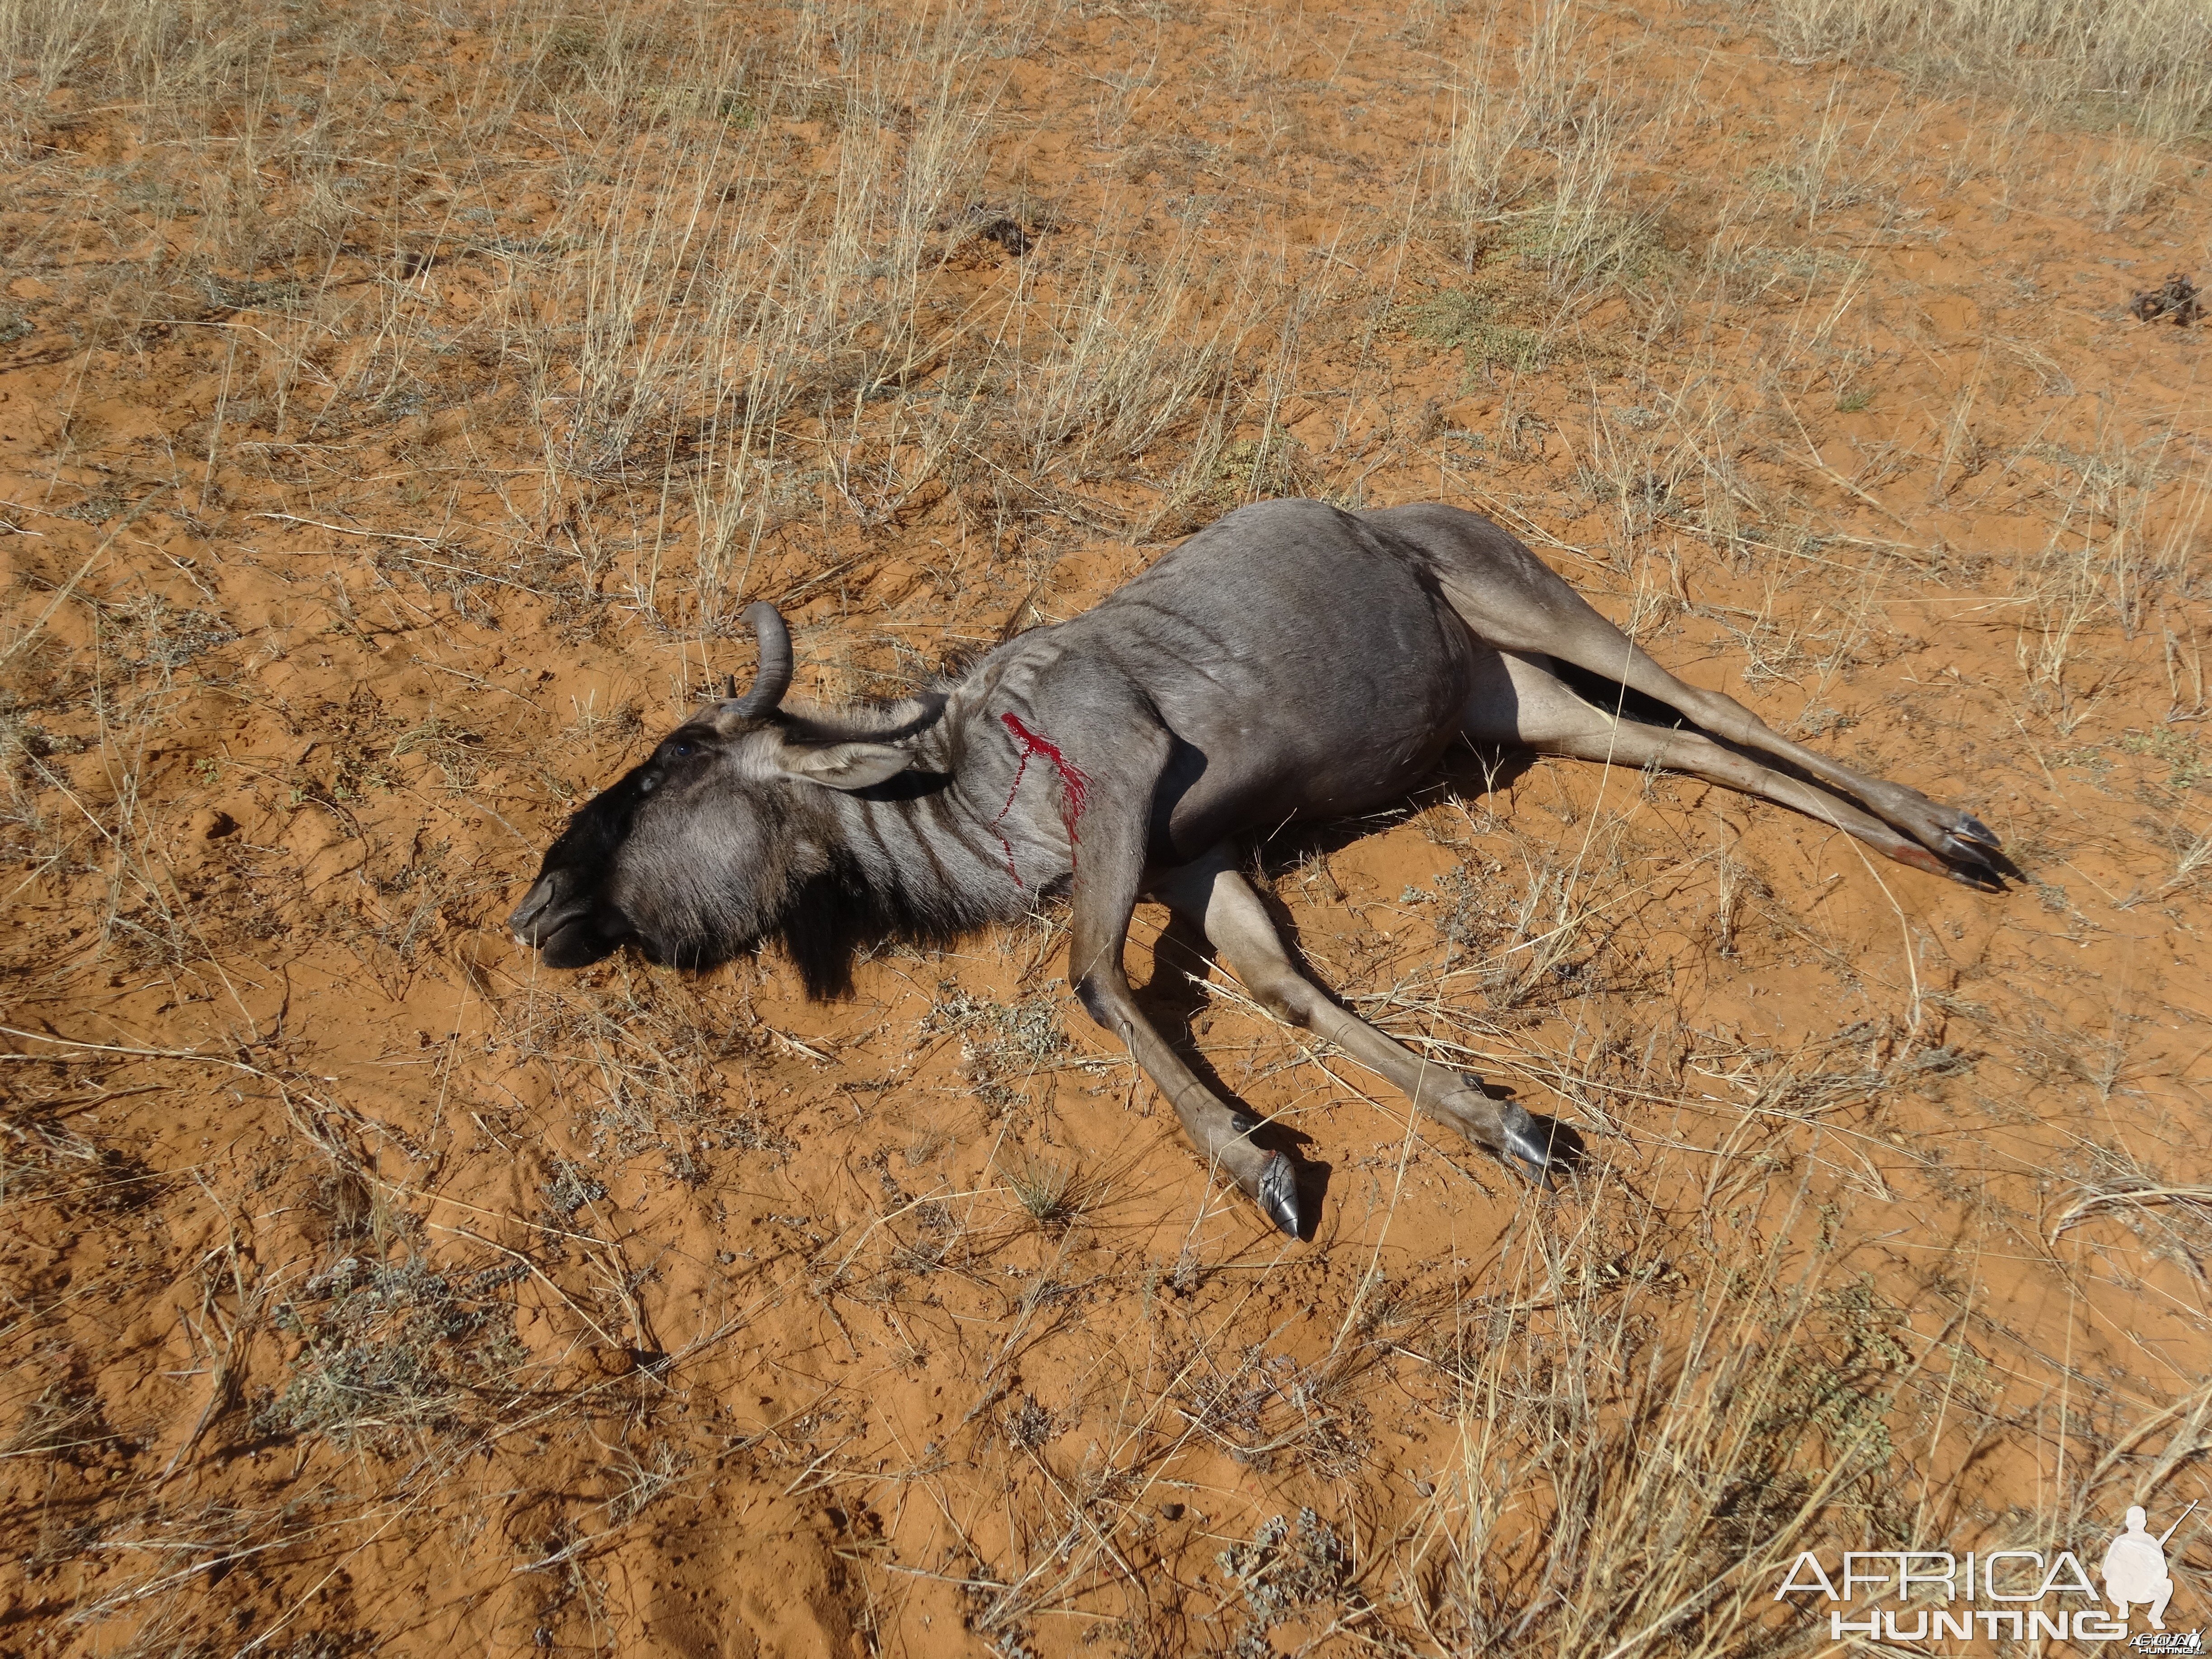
[[396, 411]]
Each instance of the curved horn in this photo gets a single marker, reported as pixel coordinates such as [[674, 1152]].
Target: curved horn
[[774, 679]]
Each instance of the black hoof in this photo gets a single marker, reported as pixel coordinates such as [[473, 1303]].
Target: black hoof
[[1974, 830], [1279, 1194], [1540, 1148], [1966, 851]]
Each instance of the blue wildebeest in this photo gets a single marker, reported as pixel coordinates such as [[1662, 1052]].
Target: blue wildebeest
[[1290, 662]]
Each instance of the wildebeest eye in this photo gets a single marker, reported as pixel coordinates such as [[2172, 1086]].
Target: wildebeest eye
[[683, 751]]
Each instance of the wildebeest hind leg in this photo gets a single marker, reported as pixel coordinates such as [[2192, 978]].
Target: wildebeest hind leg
[[1211, 892], [1513, 601], [1546, 715]]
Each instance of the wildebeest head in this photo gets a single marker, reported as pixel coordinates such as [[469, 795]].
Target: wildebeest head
[[699, 854]]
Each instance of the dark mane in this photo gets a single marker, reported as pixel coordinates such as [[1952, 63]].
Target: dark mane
[[834, 918]]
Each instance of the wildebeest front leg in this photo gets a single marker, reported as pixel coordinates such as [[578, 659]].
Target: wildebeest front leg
[[1106, 875], [1211, 892]]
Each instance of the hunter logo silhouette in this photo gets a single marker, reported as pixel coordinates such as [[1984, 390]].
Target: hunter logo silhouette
[[2134, 1569]]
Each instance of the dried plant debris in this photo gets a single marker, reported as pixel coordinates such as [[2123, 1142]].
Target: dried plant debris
[[1287, 1571], [393, 1352], [2177, 298], [1002, 1044]]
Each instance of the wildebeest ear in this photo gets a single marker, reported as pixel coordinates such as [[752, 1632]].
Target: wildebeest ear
[[843, 765]]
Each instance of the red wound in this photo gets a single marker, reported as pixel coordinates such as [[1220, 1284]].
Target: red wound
[[1076, 780], [1075, 785]]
